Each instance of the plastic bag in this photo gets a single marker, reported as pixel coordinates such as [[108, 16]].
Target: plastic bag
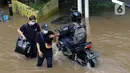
[[23, 47]]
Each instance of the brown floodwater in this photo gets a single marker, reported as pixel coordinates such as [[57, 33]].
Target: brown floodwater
[[110, 35]]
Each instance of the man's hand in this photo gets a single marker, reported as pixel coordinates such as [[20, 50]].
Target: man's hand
[[40, 54]]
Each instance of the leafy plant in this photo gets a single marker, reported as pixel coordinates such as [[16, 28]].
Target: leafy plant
[[98, 6], [36, 5]]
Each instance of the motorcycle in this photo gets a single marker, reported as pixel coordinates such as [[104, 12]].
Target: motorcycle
[[80, 53]]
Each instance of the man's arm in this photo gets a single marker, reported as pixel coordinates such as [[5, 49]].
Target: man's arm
[[39, 51], [38, 27], [38, 45]]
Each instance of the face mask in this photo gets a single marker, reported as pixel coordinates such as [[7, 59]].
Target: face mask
[[45, 32], [31, 23]]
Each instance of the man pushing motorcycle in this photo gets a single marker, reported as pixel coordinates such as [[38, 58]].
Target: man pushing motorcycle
[[72, 41], [76, 32]]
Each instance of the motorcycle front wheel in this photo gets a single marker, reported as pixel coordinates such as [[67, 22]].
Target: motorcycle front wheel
[[93, 62]]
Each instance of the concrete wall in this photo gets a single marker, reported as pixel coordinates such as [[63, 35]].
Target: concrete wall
[[48, 10], [23, 9]]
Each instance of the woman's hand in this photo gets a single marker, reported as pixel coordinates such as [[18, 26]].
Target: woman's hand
[[21, 33], [24, 37]]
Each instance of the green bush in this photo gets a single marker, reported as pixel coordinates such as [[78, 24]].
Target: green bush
[[98, 6], [36, 5]]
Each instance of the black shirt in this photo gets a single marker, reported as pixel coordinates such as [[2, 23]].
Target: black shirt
[[30, 31], [42, 39]]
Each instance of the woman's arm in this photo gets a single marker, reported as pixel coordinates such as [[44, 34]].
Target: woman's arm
[[21, 33]]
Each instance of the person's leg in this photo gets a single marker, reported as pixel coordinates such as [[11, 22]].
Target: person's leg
[[1, 19], [66, 41], [70, 44], [10, 11], [40, 61], [65, 44], [33, 50], [49, 62]]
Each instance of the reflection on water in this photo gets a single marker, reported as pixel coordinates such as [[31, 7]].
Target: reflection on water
[[110, 37]]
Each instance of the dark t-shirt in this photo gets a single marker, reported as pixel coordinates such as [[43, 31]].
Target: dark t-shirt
[[42, 41], [30, 31]]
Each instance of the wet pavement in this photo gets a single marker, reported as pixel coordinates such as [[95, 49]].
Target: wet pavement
[[110, 36]]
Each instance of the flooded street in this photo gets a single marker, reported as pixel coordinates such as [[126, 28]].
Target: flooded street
[[110, 36]]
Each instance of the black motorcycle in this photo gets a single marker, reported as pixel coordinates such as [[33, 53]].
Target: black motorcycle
[[80, 53]]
